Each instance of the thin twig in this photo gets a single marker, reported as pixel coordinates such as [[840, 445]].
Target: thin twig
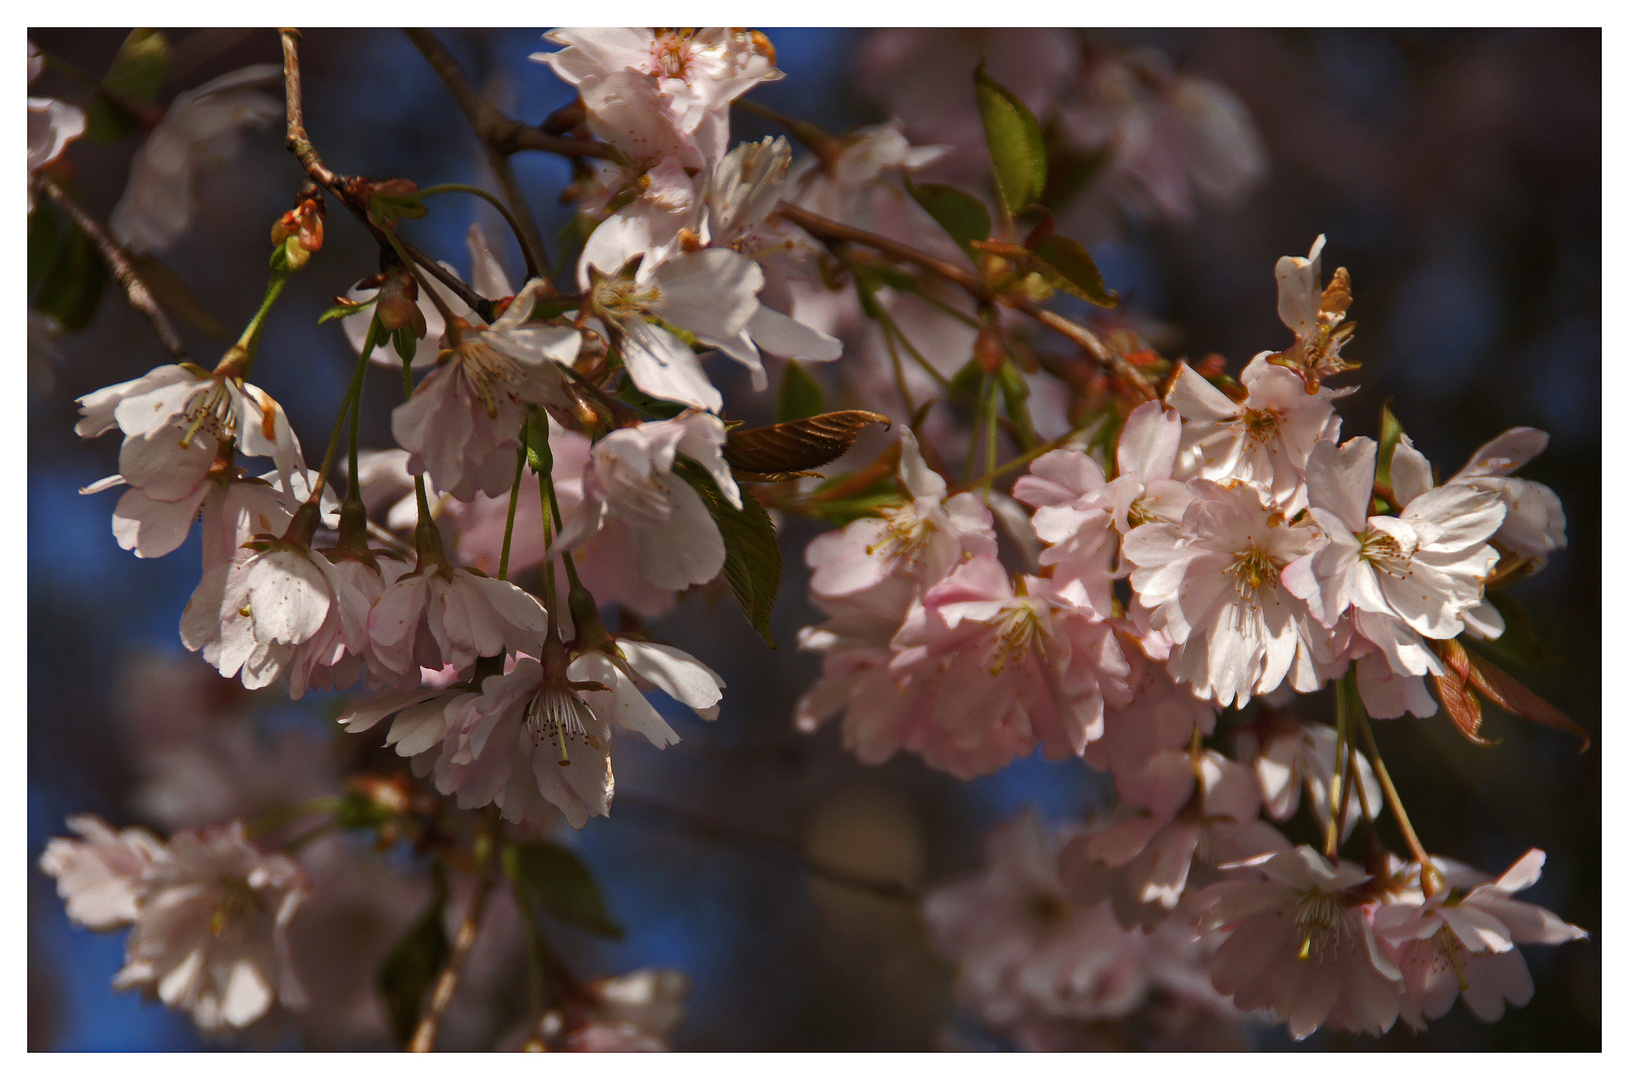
[[1090, 343], [490, 124], [424, 1037], [134, 289], [748, 838], [299, 144], [503, 133]]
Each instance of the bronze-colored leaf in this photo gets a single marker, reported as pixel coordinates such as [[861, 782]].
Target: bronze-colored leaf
[[1515, 698], [1462, 707], [798, 444]]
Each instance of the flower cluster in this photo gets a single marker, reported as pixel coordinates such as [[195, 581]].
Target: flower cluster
[[1179, 554]]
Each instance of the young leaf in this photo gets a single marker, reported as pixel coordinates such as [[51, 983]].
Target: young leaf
[[752, 558], [1015, 143], [1390, 432], [798, 444], [1516, 699], [342, 309], [136, 73], [1068, 266], [800, 396], [962, 216], [73, 283], [44, 238], [407, 972], [554, 879]]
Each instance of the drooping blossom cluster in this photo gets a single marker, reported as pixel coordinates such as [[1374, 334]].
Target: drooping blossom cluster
[[1170, 556]]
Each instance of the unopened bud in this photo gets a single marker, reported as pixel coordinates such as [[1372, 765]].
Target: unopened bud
[[398, 305], [988, 349]]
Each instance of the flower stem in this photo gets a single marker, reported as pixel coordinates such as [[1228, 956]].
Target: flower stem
[[532, 269], [353, 393], [1430, 878], [514, 500], [1343, 742], [424, 1037], [249, 340]]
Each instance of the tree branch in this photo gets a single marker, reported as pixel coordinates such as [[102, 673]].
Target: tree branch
[[1090, 343], [134, 288], [487, 121], [424, 1037], [299, 144]]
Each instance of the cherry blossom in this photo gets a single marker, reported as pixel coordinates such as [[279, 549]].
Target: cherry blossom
[[1315, 314], [1288, 756], [1190, 809], [923, 538], [210, 929], [1460, 942], [1213, 584], [201, 125], [436, 616], [1300, 943], [99, 877], [1264, 440], [463, 421], [630, 475], [52, 125], [1534, 523]]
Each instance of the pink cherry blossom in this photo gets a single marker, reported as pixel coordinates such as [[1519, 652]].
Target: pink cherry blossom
[[210, 929], [100, 876], [463, 421], [922, 539], [1300, 943], [201, 125], [630, 476], [253, 612], [1288, 755], [436, 616], [1460, 942], [1534, 523], [52, 125], [1264, 440], [1213, 584], [1190, 810]]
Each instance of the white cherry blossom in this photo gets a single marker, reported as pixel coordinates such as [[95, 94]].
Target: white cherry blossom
[[100, 876]]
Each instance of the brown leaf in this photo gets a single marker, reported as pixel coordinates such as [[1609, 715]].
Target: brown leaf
[[797, 445], [1513, 697], [1462, 707]]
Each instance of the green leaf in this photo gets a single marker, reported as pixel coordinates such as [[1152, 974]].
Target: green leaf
[[407, 972], [1014, 139], [339, 311], [800, 396], [137, 72], [1069, 267], [752, 558], [962, 216], [72, 285], [1390, 432], [44, 236], [553, 878]]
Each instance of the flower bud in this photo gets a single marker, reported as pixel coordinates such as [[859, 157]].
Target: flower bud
[[398, 303]]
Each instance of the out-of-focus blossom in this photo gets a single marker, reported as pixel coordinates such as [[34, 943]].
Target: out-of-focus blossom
[[200, 127], [99, 877], [52, 125], [210, 929]]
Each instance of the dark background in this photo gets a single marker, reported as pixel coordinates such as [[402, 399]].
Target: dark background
[[1457, 175]]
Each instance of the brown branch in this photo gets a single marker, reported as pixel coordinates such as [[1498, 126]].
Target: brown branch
[[1090, 343], [487, 121], [134, 288], [502, 133], [742, 837], [299, 144], [424, 1037]]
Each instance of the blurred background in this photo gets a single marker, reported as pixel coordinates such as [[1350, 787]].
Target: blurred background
[[1457, 175]]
